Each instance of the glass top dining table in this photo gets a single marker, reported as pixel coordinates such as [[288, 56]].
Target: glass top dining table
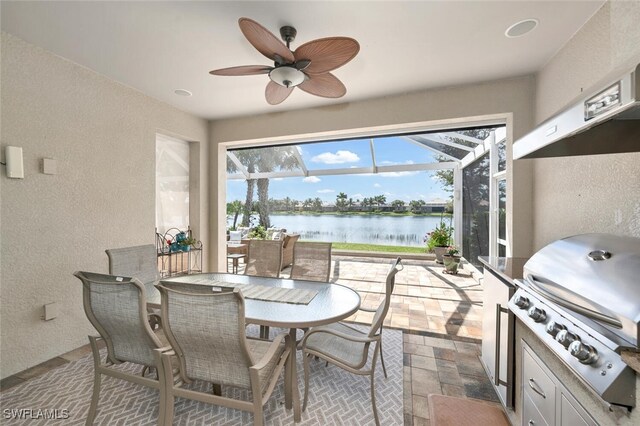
[[332, 302]]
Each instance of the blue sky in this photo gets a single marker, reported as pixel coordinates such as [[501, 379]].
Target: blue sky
[[403, 186]]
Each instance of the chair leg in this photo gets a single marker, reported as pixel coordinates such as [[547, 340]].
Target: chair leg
[[217, 389], [373, 402], [306, 382], [264, 332], [256, 394], [94, 398], [288, 391], [167, 400], [97, 378], [384, 369], [373, 388]]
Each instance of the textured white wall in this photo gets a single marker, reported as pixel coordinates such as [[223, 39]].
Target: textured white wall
[[599, 193], [102, 135], [512, 96]]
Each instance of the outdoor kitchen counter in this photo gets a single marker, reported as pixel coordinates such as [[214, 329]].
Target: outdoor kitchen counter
[[632, 359], [507, 268], [510, 268]]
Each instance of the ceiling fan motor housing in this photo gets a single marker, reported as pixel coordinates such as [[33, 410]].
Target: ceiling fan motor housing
[[288, 34]]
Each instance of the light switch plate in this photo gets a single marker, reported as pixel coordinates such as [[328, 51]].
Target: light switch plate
[[13, 158], [49, 166], [50, 311]]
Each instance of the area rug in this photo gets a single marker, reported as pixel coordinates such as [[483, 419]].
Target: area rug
[[336, 397]]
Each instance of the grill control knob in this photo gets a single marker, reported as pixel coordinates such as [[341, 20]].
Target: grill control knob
[[537, 314], [553, 328], [565, 337], [522, 302], [585, 353]]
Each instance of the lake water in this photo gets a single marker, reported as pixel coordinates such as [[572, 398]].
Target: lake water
[[386, 230]]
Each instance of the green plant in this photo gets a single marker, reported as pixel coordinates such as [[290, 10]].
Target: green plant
[[189, 241], [439, 237], [452, 251], [258, 233]]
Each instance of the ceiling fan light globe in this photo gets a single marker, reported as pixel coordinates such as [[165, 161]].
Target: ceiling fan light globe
[[287, 76]]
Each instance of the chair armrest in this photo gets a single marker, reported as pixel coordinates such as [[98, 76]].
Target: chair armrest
[[272, 351], [341, 335]]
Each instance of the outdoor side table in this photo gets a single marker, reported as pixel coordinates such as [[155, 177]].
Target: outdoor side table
[[235, 258]]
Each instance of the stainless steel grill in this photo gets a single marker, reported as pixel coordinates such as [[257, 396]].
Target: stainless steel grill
[[581, 296]]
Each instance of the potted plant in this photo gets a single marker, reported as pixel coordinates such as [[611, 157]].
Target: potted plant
[[451, 260], [188, 242], [258, 233], [438, 240]]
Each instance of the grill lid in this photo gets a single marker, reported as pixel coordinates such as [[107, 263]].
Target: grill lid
[[597, 276]]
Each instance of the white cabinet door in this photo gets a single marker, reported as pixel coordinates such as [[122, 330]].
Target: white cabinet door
[[496, 295]]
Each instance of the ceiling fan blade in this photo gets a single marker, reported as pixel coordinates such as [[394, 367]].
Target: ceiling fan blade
[[263, 40], [275, 93], [326, 85], [243, 70], [327, 54]]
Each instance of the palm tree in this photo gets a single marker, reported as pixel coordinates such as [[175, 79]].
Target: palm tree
[[234, 208], [267, 160], [306, 204], [350, 203], [249, 158], [341, 201], [398, 205], [317, 204], [416, 205], [270, 158]]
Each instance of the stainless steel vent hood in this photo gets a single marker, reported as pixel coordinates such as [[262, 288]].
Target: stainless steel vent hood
[[606, 121]]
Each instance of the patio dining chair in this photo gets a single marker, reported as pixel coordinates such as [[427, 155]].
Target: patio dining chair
[[311, 261], [264, 259], [139, 262], [348, 347], [116, 307], [207, 332]]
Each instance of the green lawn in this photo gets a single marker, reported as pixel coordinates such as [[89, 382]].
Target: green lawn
[[374, 247], [367, 213]]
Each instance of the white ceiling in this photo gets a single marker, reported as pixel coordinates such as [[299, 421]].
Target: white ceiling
[[157, 47]]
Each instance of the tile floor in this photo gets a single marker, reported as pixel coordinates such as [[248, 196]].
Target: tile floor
[[441, 318]]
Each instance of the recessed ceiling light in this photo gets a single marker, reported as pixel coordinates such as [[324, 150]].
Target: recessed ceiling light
[[521, 28], [182, 92]]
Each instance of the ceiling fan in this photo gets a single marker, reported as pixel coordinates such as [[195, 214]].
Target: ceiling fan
[[307, 67]]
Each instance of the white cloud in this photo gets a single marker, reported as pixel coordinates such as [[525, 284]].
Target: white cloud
[[357, 196], [340, 157], [277, 178], [377, 185], [311, 179], [325, 191]]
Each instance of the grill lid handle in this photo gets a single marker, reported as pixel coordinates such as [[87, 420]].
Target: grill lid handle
[[538, 287]]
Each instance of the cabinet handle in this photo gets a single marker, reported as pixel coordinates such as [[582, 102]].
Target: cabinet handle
[[533, 385], [498, 329], [499, 311]]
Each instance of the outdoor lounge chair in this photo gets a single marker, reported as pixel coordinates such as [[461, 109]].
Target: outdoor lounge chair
[[311, 261], [116, 307], [207, 332], [348, 347]]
